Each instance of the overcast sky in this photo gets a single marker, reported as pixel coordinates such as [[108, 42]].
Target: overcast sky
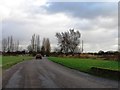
[[97, 21]]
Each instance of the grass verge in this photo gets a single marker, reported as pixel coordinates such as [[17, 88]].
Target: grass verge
[[8, 61], [85, 65], [0, 60]]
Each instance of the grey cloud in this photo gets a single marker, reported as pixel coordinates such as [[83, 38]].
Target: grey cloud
[[83, 9], [17, 29], [108, 24], [94, 38], [23, 31]]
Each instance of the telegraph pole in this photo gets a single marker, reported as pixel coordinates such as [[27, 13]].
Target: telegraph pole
[[82, 45]]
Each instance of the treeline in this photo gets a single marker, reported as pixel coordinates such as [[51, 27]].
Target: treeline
[[68, 43], [107, 53], [9, 44], [35, 46]]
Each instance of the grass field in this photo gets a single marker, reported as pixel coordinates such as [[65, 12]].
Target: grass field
[[8, 61], [85, 65], [0, 60]]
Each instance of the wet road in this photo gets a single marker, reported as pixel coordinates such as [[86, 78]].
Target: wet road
[[0, 77], [46, 74]]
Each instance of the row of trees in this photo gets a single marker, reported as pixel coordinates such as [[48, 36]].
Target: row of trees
[[46, 48], [9, 44], [35, 44], [107, 52], [68, 42], [35, 47]]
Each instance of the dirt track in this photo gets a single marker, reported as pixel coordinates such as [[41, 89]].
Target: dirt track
[[46, 74]]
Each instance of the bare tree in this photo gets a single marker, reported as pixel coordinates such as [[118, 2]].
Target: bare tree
[[48, 47], [68, 41], [74, 40], [38, 43], [9, 44], [35, 44], [43, 49], [4, 45], [62, 41], [16, 45]]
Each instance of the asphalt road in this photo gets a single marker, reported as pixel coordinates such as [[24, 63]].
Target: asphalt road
[[47, 74], [0, 77]]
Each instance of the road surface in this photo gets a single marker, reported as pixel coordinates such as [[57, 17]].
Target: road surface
[[0, 77], [46, 74]]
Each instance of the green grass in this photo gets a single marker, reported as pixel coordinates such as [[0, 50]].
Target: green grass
[[85, 65], [8, 61], [0, 60]]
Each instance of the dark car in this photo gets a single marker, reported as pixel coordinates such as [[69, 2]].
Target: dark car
[[38, 56]]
